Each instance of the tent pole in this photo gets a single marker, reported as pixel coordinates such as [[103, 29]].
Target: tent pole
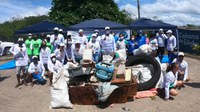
[[177, 35]]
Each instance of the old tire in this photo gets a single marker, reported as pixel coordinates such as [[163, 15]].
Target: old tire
[[155, 73]]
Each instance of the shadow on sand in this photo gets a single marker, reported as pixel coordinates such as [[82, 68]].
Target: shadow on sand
[[193, 84], [3, 78]]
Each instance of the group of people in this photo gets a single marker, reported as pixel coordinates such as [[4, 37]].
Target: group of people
[[36, 55]]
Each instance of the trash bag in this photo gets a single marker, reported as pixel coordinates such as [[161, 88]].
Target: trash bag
[[144, 49], [59, 90]]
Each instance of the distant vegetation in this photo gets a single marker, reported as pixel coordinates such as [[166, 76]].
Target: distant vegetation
[[8, 28]]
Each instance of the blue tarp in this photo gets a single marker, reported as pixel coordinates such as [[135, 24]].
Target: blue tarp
[[8, 65], [97, 24], [144, 23], [42, 27]]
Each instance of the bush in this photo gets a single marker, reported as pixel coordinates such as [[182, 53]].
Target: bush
[[196, 47]]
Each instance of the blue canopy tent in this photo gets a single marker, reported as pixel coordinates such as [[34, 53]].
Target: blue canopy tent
[[97, 24], [148, 24], [144, 23], [42, 27]]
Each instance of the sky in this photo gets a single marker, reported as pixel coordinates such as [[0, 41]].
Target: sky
[[177, 12]]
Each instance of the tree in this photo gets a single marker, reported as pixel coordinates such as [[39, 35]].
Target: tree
[[8, 28], [70, 12]]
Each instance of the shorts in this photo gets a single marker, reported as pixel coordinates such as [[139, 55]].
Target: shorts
[[20, 69]]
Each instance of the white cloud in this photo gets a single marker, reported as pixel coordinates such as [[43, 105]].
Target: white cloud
[[20, 9], [177, 12]]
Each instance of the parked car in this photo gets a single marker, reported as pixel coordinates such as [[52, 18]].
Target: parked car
[[5, 47]]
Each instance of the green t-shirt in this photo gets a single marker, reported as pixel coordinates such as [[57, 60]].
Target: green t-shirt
[[36, 46], [28, 46]]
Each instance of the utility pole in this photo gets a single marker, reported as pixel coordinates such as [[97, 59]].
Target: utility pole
[[138, 6]]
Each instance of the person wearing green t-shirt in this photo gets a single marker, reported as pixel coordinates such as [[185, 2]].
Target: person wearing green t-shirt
[[28, 44], [49, 45], [36, 43]]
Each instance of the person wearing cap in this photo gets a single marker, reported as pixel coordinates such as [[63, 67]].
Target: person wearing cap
[[140, 39], [78, 51], [28, 44], [107, 43], [44, 55], [53, 66], [171, 42], [183, 68], [82, 38], [161, 39], [49, 45], [56, 38], [69, 51], [36, 43], [60, 53], [36, 70], [21, 59], [94, 45]]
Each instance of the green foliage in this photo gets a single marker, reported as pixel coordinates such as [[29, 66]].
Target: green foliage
[[69, 12], [196, 48], [8, 28]]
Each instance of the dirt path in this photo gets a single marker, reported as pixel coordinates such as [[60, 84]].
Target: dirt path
[[37, 98]]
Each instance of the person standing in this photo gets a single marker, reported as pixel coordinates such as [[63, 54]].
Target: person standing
[[21, 60], [171, 42], [60, 53], [29, 47], [69, 51], [131, 45], [94, 45], [36, 45], [56, 39], [49, 45], [44, 54], [82, 38], [78, 51], [161, 39]]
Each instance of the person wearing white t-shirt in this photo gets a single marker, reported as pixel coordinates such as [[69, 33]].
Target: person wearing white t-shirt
[[53, 66], [171, 42], [36, 69], [78, 51], [82, 38], [21, 58], [56, 39], [44, 54], [183, 67], [94, 45], [60, 53]]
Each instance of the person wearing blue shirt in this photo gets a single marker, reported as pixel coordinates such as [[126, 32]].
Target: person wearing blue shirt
[[131, 45], [140, 40]]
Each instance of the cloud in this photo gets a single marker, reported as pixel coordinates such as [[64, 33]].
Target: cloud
[[177, 12], [20, 9]]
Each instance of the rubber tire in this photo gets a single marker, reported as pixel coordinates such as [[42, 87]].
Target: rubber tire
[[145, 59]]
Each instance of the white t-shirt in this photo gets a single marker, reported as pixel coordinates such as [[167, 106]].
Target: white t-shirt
[[53, 68], [60, 56], [45, 55], [55, 42], [36, 68], [183, 66], [171, 43], [94, 46], [20, 55]]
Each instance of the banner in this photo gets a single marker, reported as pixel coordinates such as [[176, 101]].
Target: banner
[[187, 39]]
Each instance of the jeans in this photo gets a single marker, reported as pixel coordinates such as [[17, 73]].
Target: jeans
[[96, 57]]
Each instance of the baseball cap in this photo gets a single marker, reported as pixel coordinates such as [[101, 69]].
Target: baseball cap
[[55, 28], [80, 30], [34, 57], [107, 28], [180, 54], [169, 31], [29, 34]]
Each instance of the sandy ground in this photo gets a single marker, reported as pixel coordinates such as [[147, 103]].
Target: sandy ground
[[37, 98]]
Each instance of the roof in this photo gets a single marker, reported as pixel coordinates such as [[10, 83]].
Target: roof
[[97, 24], [145, 23], [42, 27]]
